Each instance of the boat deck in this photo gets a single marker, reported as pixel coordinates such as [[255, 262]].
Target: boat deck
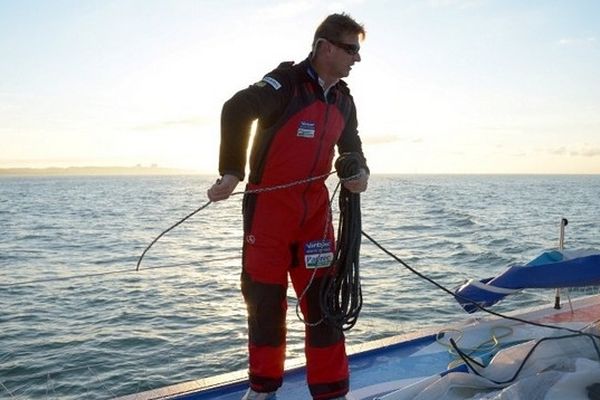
[[379, 367]]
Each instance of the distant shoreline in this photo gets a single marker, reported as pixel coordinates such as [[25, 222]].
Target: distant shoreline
[[162, 171], [70, 171]]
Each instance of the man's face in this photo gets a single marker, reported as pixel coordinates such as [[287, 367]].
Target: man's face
[[345, 54]]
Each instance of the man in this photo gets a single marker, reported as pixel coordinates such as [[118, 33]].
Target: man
[[303, 111]]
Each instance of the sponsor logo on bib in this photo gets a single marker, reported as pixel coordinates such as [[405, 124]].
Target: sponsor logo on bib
[[306, 129], [318, 254]]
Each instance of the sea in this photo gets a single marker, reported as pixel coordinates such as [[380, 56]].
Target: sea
[[78, 321]]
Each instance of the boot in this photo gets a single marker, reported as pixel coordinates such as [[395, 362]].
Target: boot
[[252, 395]]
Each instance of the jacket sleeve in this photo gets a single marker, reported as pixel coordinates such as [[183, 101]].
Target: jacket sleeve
[[349, 141], [261, 100]]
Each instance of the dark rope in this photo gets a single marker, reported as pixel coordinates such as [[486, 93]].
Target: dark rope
[[470, 361], [340, 293], [473, 302]]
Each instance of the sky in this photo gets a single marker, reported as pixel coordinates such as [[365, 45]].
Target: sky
[[444, 86]]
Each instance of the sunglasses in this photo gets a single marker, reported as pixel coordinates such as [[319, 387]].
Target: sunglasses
[[351, 49]]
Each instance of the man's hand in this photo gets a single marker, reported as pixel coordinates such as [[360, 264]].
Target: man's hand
[[359, 184], [223, 188]]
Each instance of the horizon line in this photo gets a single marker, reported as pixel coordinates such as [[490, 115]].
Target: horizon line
[[158, 170]]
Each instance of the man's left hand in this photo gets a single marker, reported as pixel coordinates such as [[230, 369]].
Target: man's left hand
[[359, 184]]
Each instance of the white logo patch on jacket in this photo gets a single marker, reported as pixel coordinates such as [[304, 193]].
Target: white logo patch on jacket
[[318, 254], [306, 129], [272, 81]]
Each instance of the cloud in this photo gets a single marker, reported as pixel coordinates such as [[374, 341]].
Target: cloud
[[341, 5], [579, 151], [296, 8], [456, 3], [172, 124], [587, 152], [389, 138], [560, 151], [571, 42], [285, 10]]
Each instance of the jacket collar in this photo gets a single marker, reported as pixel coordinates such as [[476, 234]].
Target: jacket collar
[[312, 73]]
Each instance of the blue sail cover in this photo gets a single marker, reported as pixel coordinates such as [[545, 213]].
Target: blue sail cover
[[551, 269]]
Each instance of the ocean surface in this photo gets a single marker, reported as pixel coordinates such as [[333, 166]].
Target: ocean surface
[[77, 321]]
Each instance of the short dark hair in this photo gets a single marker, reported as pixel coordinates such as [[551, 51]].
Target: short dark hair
[[336, 25]]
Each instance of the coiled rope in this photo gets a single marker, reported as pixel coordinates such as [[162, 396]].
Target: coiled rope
[[340, 293]]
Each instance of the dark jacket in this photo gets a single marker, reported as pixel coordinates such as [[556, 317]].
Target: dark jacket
[[297, 128]]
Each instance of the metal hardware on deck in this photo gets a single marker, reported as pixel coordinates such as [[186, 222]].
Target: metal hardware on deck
[[561, 246]]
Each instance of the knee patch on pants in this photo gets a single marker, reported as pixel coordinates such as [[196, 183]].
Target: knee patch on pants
[[266, 304]]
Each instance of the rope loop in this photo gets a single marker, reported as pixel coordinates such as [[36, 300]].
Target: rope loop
[[341, 293]]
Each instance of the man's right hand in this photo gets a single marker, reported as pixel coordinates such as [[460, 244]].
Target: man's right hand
[[223, 188]]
